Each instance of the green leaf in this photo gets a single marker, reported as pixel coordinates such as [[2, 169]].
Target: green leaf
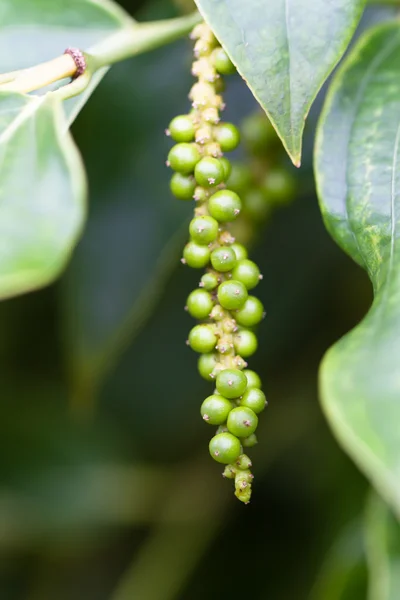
[[357, 164], [42, 192], [382, 536], [284, 50]]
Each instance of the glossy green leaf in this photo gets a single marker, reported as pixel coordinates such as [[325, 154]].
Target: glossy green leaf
[[284, 50], [357, 166], [382, 537], [42, 192]]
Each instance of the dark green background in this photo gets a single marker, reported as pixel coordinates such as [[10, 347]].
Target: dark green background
[[107, 489]]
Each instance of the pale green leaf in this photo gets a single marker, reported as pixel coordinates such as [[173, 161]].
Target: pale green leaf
[[358, 177], [42, 192], [285, 50]]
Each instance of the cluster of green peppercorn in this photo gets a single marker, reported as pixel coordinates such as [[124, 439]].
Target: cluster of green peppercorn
[[223, 303], [264, 180]]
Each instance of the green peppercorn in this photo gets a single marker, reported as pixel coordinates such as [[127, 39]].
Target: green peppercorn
[[255, 399], [220, 85], [217, 313], [183, 158], [229, 325], [182, 186], [224, 205], [245, 342], [199, 304], [206, 365], [222, 62], [200, 194], [278, 186], [209, 281], [249, 442], [258, 133], [240, 178], [181, 129], [232, 294], [225, 448], [253, 380], [255, 205], [240, 251], [222, 429], [209, 172], [251, 312], [243, 462], [223, 259], [231, 383], [227, 136], [215, 409], [202, 338], [203, 230], [242, 421], [227, 167], [196, 256], [247, 272], [229, 472]]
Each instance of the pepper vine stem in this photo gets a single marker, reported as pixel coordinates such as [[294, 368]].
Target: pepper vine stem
[[137, 39], [42, 75], [128, 42]]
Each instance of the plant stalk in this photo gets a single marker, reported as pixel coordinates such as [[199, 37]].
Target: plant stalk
[[141, 38], [40, 76], [126, 43]]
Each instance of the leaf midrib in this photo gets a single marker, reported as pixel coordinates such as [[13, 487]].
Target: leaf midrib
[[24, 114], [378, 59], [290, 72]]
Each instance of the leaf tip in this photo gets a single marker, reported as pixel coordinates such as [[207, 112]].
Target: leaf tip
[[296, 162], [294, 157]]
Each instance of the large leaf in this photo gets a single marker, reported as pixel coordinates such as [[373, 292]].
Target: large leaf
[[382, 536], [42, 192], [358, 177], [285, 50], [42, 181]]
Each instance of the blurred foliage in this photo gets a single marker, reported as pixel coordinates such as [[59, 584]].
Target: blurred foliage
[[382, 535], [107, 489]]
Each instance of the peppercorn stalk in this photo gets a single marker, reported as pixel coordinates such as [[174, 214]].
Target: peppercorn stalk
[[222, 302]]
